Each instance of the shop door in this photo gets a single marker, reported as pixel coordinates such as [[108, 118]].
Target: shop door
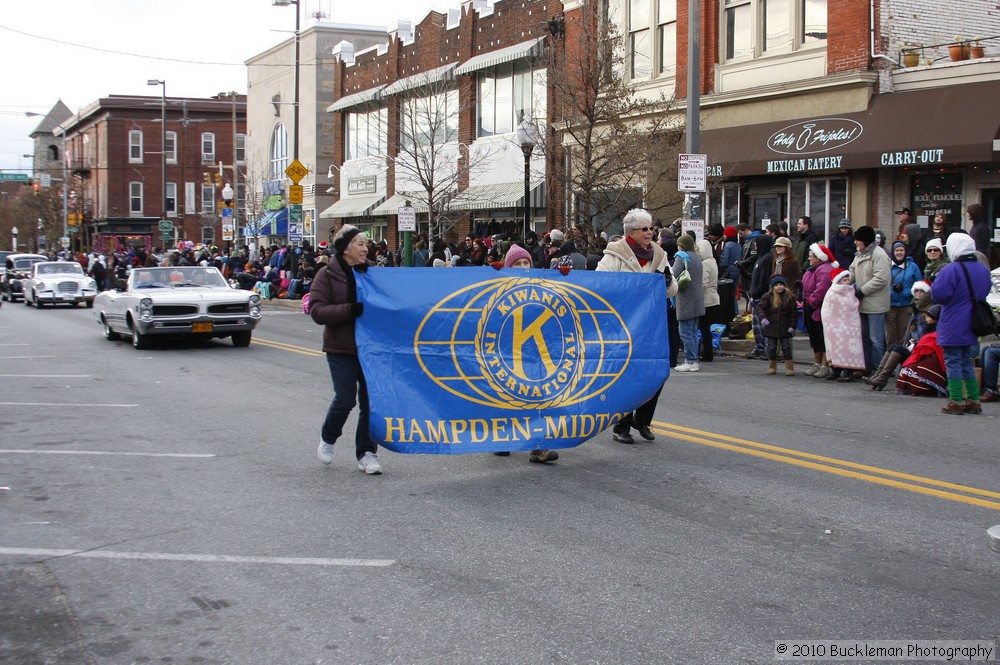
[[765, 209]]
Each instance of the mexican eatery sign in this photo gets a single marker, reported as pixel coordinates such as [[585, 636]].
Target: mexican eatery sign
[[814, 136]]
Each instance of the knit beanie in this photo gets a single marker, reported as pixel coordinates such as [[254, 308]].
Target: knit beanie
[[514, 254], [729, 232], [344, 237], [777, 279], [556, 236], [934, 242], [685, 242]]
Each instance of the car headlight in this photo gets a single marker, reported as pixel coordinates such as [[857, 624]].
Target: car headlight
[[146, 309], [255, 305], [91, 284]]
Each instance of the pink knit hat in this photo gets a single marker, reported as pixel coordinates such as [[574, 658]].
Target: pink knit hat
[[514, 254]]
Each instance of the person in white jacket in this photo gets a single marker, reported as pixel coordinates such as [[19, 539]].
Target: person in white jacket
[[637, 252], [710, 287]]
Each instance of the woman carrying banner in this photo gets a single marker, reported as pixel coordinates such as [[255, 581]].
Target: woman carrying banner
[[334, 305], [636, 252]]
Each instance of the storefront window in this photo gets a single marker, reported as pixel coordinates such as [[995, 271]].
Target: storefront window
[[938, 192], [724, 205], [824, 200]]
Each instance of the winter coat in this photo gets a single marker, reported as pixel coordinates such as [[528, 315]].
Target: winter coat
[[729, 260], [872, 273], [690, 302], [980, 233], [843, 249], [904, 276], [800, 248], [709, 274], [916, 244], [619, 257], [815, 284], [951, 292], [330, 306], [780, 315]]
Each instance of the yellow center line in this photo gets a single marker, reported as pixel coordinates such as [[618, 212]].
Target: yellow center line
[[751, 448], [287, 347]]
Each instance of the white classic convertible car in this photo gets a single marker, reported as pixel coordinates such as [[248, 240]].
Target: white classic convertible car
[[56, 282], [187, 300]]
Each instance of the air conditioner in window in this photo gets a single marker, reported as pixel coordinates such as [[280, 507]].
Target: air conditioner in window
[[208, 157]]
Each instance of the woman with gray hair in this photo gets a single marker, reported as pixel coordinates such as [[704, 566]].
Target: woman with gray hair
[[637, 252]]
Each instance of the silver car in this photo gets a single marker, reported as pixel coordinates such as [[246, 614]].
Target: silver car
[[183, 300], [54, 282]]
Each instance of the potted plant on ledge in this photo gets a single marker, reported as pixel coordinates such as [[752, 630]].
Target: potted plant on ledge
[[977, 49], [958, 50], [911, 55]]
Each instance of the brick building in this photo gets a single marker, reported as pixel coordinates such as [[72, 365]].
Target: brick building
[[431, 117], [118, 166], [816, 114]]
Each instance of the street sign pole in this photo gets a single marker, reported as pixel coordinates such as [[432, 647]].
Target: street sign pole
[[406, 221], [692, 179]]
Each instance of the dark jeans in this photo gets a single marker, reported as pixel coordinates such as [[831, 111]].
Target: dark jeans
[[771, 345], [348, 382], [705, 326], [641, 417]]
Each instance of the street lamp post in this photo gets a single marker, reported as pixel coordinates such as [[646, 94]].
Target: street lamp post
[[294, 209], [527, 136], [13, 238], [163, 142]]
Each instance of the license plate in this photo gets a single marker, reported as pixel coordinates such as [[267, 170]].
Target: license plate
[[201, 327], [67, 296]]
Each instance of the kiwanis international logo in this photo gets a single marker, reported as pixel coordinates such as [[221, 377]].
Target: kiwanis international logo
[[523, 343]]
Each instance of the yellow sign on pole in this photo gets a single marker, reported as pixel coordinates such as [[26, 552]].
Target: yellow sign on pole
[[295, 194], [296, 171]]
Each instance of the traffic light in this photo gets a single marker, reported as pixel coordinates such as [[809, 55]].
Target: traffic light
[[37, 187]]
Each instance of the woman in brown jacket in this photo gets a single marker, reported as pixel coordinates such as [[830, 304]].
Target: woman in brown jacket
[[334, 304]]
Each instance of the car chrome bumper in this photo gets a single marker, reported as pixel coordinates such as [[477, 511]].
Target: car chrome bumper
[[53, 297], [221, 326]]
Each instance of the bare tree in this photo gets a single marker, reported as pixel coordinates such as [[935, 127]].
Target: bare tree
[[621, 147], [253, 174], [431, 163], [41, 213]]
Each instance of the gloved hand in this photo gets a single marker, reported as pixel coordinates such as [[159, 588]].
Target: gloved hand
[[764, 323], [356, 309], [858, 293], [791, 331]]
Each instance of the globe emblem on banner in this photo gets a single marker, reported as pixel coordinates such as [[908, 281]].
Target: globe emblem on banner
[[523, 343]]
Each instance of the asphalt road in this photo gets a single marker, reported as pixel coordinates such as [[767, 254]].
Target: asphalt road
[[166, 506]]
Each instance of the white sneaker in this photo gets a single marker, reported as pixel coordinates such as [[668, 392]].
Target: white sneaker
[[687, 367], [325, 452], [369, 464]]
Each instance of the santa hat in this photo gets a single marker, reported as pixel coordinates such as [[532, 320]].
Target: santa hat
[[823, 253], [921, 286], [836, 273]]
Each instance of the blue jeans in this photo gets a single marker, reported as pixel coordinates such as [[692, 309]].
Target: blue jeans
[[989, 358], [348, 382], [958, 361], [689, 338], [873, 339]]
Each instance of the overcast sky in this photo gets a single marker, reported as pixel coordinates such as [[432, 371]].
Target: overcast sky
[[57, 49]]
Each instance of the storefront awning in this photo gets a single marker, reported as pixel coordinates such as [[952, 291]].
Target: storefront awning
[[362, 98], [353, 206], [490, 197], [529, 49], [397, 201], [919, 129], [445, 73]]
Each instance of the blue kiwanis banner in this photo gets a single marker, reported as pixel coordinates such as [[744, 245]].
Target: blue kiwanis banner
[[476, 360]]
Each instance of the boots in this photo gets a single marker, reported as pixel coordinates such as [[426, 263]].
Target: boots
[[789, 368], [772, 367], [885, 369]]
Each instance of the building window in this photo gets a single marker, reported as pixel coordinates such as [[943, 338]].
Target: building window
[[666, 28], [171, 199], [171, 147], [365, 134], [279, 152], [724, 204], [430, 120], [824, 200], [208, 147], [208, 199], [640, 44], [505, 92], [755, 28], [241, 148], [53, 153], [135, 146], [135, 198]]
